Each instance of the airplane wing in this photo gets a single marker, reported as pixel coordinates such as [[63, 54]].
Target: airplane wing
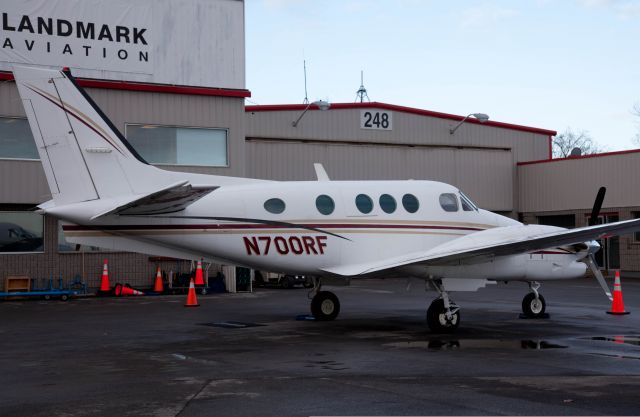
[[169, 199], [499, 241]]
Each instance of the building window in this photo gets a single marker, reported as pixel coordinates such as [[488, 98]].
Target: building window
[[64, 246], [274, 205], [325, 204], [568, 221], [449, 202], [410, 203], [190, 146], [387, 203], [16, 140], [21, 231], [364, 203]]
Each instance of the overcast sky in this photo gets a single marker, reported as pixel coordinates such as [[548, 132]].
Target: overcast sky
[[541, 63]]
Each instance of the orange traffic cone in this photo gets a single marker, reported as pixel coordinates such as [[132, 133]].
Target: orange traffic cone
[[192, 301], [617, 307], [199, 275], [159, 285], [104, 283], [124, 290]]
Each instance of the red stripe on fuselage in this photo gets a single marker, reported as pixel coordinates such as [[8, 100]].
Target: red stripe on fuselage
[[260, 226]]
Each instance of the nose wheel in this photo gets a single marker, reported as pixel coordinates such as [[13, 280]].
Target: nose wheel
[[443, 316], [441, 320], [533, 304]]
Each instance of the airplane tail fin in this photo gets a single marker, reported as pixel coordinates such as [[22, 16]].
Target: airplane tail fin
[[83, 155]]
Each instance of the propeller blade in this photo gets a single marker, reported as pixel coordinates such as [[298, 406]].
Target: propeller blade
[[597, 205], [591, 262]]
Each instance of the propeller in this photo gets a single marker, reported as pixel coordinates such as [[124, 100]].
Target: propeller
[[597, 205], [591, 260]]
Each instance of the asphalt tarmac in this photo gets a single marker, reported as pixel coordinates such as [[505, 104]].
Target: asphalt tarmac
[[247, 355]]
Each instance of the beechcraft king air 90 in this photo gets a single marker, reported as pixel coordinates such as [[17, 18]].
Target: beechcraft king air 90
[[110, 197]]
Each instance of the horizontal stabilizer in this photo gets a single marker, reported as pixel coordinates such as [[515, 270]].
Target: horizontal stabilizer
[[111, 242], [171, 199]]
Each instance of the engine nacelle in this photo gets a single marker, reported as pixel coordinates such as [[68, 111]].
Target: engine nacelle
[[525, 267]]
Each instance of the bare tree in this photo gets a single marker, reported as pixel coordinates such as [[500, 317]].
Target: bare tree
[[566, 141]]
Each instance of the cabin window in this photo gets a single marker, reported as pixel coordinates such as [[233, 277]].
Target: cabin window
[[173, 145], [325, 204], [16, 140], [467, 204], [274, 205], [21, 231], [387, 203], [364, 203], [410, 203], [448, 202]]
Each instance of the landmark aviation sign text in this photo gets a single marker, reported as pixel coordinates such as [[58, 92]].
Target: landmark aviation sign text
[[109, 36]]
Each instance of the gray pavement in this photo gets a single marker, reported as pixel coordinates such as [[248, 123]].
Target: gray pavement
[[150, 356]]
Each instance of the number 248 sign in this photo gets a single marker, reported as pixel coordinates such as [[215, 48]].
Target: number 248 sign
[[376, 119]]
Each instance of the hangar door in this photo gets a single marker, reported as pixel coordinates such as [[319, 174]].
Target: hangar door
[[486, 175]]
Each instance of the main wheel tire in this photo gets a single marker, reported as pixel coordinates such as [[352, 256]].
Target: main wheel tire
[[437, 319], [325, 306], [532, 307]]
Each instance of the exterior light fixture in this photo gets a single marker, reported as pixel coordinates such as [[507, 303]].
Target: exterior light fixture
[[481, 117], [321, 104]]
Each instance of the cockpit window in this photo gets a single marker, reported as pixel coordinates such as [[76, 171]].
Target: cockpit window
[[449, 202], [467, 204]]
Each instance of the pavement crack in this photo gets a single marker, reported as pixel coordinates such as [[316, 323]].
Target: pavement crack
[[193, 397]]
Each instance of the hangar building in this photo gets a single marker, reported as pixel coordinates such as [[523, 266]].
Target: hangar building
[[183, 109]]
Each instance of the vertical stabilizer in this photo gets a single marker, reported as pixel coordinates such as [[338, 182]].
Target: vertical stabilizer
[[83, 155]]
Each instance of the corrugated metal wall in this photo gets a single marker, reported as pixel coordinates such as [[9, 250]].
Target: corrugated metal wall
[[132, 107], [344, 124], [571, 184]]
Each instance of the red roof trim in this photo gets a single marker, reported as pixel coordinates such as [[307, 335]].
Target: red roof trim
[[393, 107], [572, 158], [149, 87]]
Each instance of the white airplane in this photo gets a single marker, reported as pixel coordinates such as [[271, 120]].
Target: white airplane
[[110, 197]]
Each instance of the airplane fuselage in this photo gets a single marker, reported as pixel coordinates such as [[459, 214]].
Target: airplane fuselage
[[308, 227]]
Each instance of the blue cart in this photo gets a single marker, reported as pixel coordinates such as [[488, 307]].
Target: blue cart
[[48, 291]]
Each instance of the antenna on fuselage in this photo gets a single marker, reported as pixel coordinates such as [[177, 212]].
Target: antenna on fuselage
[[321, 174]]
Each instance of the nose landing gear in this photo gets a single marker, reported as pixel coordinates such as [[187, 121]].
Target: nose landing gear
[[443, 316]]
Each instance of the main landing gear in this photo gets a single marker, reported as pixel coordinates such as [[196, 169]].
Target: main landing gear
[[443, 316], [533, 304], [325, 305]]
